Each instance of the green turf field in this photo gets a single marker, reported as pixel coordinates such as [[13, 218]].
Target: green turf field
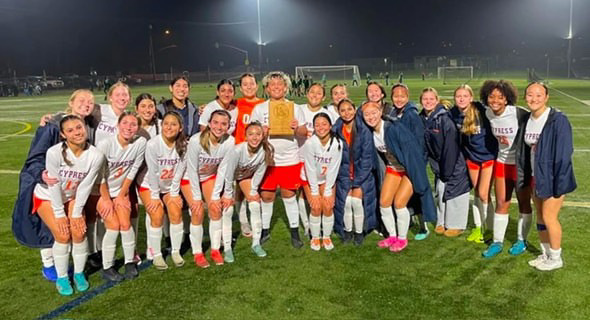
[[437, 278]]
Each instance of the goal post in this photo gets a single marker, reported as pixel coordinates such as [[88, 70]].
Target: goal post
[[455, 73], [347, 73]]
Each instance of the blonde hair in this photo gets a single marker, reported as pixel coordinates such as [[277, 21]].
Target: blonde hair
[[116, 85], [76, 94], [429, 89], [471, 119], [277, 75]]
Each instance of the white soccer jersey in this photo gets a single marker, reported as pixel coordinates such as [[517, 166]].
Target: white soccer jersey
[[214, 105], [202, 166], [152, 130], [74, 182], [333, 112], [107, 127], [285, 148], [322, 163], [504, 128], [534, 127], [165, 168], [308, 116], [122, 163], [238, 165]]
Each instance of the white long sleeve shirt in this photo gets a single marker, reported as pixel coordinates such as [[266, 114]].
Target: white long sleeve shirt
[[74, 182], [214, 105], [308, 116], [107, 127], [202, 166], [238, 165], [122, 163], [322, 163], [165, 168]]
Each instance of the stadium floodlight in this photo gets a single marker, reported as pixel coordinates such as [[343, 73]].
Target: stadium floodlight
[[339, 73]]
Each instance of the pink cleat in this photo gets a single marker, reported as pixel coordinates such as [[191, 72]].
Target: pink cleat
[[387, 242], [399, 245]]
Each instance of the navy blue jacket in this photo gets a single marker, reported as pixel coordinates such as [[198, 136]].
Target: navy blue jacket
[[364, 174], [193, 115], [444, 152], [401, 142], [411, 119], [481, 146], [554, 171]]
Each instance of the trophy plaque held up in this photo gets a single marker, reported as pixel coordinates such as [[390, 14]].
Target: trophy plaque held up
[[280, 115]]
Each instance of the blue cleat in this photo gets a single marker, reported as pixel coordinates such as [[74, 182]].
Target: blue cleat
[[63, 286], [49, 273], [81, 282], [493, 250], [518, 248], [423, 234]]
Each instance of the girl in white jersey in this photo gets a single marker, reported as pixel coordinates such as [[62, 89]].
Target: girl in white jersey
[[315, 97], [223, 101], [76, 164], [338, 92], [246, 164], [323, 153], [164, 156], [205, 152], [124, 156], [505, 120]]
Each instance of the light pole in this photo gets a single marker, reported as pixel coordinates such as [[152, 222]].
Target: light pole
[[245, 52], [569, 38], [151, 53], [260, 44]]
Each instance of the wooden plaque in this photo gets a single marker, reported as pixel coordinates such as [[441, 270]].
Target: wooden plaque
[[280, 115]]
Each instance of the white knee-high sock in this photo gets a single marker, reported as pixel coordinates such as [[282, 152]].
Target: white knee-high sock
[[128, 243], [315, 223], [327, 225], [79, 255], [403, 222], [47, 257], [100, 231], [196, 237], [256, 219], [176, 232], [292, 210], [358, 214], [266, 208], [388, 220], [242, 211], [155, 241], [215, 233], [500, 224], [61, 257], [524, 225], [91, 236], [475, 211], [347, 214], [303, 211], [166, 226], [109, 246], [226, 222]]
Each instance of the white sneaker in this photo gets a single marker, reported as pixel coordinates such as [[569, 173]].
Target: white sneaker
[[246, 230], [159, 263], [538, 260], [550, 264], [177, 259], [315, 244]]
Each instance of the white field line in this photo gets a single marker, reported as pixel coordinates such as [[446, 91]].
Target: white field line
[[584, 102], [27, 127]]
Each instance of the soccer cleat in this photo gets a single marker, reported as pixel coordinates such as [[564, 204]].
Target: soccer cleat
[[452, 233], [228, 256], [159, 263], [131, 271], [200, 260], [177, 259], [399, 245], [358, 239], [387, 242], [216, 257], [64, 287], [265, 236], [538, 260], [550, 264], [111, 274], [422, 234], [95, 260], [327, 243], [475, 235], [49, 273], [295, 240], [439, 230], [518, 247], [136, 258], [315, 244], [257, 249], [347, 237], [493, 250], [81, 282], [246, 230]]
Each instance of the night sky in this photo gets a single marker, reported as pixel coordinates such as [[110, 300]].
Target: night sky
[[65, 36]]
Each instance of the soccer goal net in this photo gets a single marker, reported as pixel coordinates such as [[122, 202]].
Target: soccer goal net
[[346, 73], [455, 74]]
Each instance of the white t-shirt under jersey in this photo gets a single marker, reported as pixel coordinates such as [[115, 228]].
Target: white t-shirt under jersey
[[285, 148], [122, 163], [74, 182], [504, 128], [164, 167], [107, 127], [214, 105], [202, 166], [238, 165], [322, 163], [534, 127]]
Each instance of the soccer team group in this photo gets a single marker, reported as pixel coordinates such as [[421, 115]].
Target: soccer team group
[[354, 168]]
